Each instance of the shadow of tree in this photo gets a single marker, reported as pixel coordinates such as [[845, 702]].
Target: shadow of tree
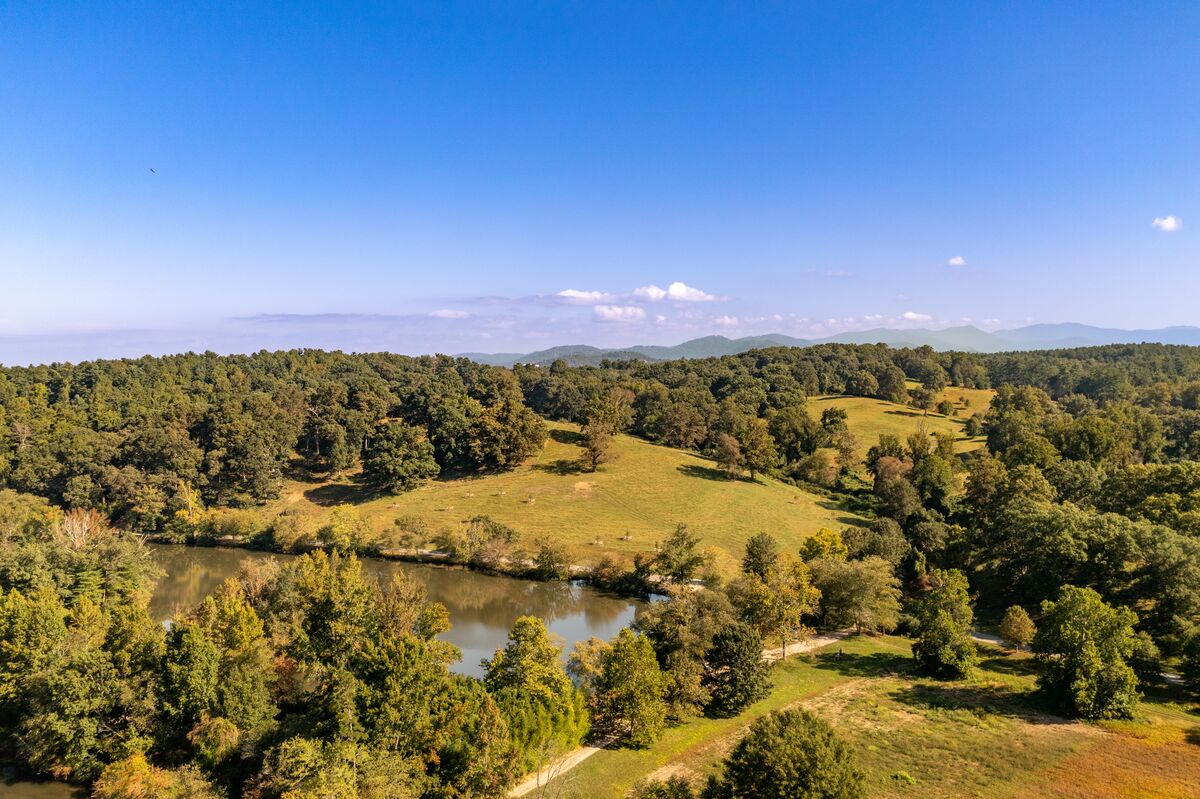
[[976, 698], [567, 437], [562, 466], [876, 664], [707, 473], [342, 494], [1007, 664], [1192, 736], [905, 413]]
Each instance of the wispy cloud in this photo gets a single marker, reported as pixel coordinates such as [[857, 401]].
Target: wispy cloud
[[447, 313], [913, 316], [577, 297], [618, 313], [957, 260], [1167, 224], [726, 321]]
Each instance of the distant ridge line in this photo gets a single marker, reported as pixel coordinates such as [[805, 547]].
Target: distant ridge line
[[965, 338]]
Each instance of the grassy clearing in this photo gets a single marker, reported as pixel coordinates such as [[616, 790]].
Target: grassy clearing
[[869, 418], [915, 737], [626, 507]]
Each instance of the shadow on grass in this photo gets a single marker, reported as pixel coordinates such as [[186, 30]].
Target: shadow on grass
[[708, 473], [1192, 736], [1004, 664], [834, 505], [561, 467], [876, 664], [905, 413], [567, 437], [342, 494], [977, 699]]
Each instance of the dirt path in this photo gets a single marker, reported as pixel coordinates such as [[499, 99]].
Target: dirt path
[[572, 759]]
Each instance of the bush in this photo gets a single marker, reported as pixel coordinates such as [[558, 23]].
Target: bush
[[672, 788], [790, 753], [551, 561]]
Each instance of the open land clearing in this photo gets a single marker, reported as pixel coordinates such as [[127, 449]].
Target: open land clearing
[[630, 503], [981, 737]]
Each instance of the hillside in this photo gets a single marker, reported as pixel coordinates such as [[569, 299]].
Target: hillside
[[868, 418], [625, 507]]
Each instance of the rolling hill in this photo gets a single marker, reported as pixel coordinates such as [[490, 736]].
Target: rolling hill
[[965, 338], [625, 507]]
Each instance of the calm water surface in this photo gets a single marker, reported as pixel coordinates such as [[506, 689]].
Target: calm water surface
[[482, 609], [482, 606]]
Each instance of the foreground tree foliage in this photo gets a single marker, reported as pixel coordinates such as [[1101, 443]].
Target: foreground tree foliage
[[942, 620], [630, 690], [789, 753], [545, 712], [735, 672], [1082, 646], [296, 680], [863, 594]]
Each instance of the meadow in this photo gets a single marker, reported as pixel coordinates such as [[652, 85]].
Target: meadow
[[919, 737], [869, 418], [630, 503], [626, 506]]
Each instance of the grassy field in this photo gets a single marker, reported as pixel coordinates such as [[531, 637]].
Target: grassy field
[[916, 737], [868, 418], [626, 507]]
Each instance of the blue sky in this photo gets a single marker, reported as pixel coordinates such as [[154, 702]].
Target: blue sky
[[432, 177]]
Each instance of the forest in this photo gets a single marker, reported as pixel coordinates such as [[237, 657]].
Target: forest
[[1075, 532]]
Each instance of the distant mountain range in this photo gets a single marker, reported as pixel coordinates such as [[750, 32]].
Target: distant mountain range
[[964, 339]]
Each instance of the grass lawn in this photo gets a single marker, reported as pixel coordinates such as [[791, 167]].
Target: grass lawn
[[868, 418], [626, 507], [916, 737]]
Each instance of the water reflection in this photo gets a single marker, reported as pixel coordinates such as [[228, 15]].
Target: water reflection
[[482, 606], [12, 788]]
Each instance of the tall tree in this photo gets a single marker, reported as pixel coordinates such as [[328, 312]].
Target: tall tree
[[942, 619], [1082, 645], [735, 672], [398, 457], [630, 690]]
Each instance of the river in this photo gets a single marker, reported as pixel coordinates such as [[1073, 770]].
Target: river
[[482, 609]]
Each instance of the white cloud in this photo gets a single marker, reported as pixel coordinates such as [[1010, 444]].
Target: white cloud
[[1167, 224], [446, 313], [957, 260], [676, 292], [727, 321], [577, 297], [682, 293], [659, 319], [913, 316], [652, 293], [618, 313]]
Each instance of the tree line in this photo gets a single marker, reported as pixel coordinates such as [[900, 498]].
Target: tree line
[[149, 442]]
